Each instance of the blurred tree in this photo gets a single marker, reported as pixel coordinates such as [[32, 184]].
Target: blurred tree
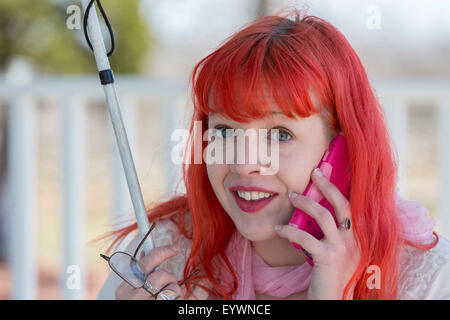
[[37, 30]]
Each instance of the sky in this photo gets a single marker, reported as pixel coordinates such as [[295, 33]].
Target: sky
[[411, 20], [381, 31]]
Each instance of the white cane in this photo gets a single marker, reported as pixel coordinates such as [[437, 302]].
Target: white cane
[[107, 81]]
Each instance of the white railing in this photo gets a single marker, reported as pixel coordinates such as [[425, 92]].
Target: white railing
[[74, 93]]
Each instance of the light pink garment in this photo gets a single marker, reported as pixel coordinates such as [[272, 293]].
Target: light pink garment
[[254, 275], [415, 220]]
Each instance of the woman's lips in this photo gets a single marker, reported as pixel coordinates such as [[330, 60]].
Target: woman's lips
[[251, 188], [251, 206]]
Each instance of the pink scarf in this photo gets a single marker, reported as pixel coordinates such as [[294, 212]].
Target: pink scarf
[[254, 275]]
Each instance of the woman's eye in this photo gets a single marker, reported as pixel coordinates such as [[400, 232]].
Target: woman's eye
[[280, 135], [224, 132]]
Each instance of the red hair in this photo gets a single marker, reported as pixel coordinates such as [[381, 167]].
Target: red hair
[[290, 57]]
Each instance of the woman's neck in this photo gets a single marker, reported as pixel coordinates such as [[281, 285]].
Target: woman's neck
[[278, 252]]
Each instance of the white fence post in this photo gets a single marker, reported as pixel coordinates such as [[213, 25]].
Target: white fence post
[[122, 205], [443, 128], [173, 119], [397, 118], [21, 179], [74, 240]]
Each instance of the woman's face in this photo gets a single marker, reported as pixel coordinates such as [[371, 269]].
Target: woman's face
[[302, 143]]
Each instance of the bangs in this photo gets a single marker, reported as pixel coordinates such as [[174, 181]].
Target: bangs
[[244, 77]]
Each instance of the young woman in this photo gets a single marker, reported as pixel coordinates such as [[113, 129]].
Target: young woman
[[302, 77]]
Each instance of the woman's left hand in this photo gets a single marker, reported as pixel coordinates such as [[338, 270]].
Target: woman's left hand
[[337, 255]]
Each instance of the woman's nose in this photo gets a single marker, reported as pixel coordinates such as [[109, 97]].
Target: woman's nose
[[246, 169], [247, 160]]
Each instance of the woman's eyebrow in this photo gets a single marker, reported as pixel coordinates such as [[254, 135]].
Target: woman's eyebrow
[[218, 117], [280, 113]]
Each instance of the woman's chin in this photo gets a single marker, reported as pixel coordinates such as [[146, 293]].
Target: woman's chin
[[259, 233]]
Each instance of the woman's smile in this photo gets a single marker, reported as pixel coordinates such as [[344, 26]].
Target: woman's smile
[[252, 199]]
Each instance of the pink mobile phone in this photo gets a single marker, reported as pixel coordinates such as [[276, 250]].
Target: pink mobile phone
[[335, 166]]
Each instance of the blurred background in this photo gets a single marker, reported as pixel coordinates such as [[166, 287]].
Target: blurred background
[[61, 181]]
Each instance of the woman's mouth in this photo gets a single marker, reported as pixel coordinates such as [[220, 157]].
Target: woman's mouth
[[252, 199]]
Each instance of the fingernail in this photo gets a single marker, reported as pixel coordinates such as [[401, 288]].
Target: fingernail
[[318, 172], [293, 194], [277, 228]]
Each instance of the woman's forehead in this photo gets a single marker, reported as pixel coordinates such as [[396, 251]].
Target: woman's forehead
[[272, 115]]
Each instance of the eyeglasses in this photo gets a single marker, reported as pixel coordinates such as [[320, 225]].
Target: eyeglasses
[[131, 270]]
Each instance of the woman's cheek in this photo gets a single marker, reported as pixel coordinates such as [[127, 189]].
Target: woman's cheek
[[294, 172], [216, 175]]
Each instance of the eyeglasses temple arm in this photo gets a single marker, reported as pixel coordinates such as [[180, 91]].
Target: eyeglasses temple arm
[[104, 257], [190, 276], [143, 239]]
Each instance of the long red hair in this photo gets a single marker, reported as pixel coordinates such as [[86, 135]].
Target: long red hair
[[291, 56]]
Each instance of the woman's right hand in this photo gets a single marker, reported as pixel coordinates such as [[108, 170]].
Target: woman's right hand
[[158, 279]]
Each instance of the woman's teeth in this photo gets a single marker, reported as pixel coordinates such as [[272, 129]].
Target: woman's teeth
[[254, 195]]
